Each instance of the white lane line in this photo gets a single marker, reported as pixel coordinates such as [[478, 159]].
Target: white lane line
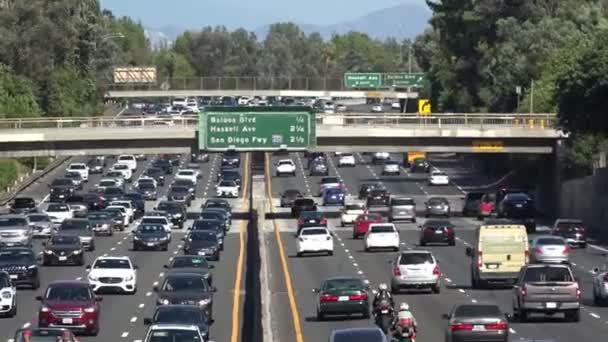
[[461, 291], [175, 252], [594, 315], [141, 305], [346, 250], [359, 272], [179, 246], [133, 319], [512, 331], [161, 274], [473, 300], [79, 278], [355, 264], [27, 325], [119, 242], [105, 254], [350, 256], [448, 280], [155, 283], [598, 248], [44, 200], [113, 249], [148, 294], [124, 334]]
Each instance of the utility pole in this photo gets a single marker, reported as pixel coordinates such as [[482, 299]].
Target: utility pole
[[409, 59], [531, 96]]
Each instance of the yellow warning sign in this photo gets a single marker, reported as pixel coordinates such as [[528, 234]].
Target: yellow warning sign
[[488, 145], [373, 94], [424, 106]]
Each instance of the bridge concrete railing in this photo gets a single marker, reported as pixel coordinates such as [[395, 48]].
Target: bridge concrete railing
[[537, 122]]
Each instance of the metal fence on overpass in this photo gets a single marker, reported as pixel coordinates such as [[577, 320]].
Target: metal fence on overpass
[[479, 121]]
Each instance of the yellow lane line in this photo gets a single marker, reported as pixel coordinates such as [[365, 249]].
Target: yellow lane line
[[297, 325], [236, 300]]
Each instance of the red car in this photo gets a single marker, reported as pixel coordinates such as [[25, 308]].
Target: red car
[[362, 223], [71, 305], [573, 230]]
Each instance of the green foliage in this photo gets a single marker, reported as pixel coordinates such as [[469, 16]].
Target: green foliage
[[131, 39], [9, 171], [171, 64], [582, 152], [67, 93], [16, 96]]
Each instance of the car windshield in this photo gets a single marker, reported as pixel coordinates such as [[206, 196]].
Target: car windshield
[[17, 255], [378, 192], [91, 197], [206, 225], [477, 311], [107, 183], [121, 167], [329, 180], [206, 215], [146, 186], [126, 158], [226, 183], [570, 226], [385, 228], [437, 201], [437, 223], [285, 162], [113, 191], [74, 225], [150, 229], [230, 174], [182, 283], [516, 197], [475, 196], [39, 218], [65, 240], [112, 263], [354, 207], [183, 182], [154, 220], [189, 262], [343, 284], [292, 193], [173, 335], [304, 202], [77, 167], [115, 174], [57, 207], [186, 173], [402, 201], [314, 232], [179, 316], [98, 217], [169, 206], [391, 162], [62, 182], [203, 236], [12, 221], [550, 241], [415, 259], [548, 274], [24, 203], [152, 172], [179, 189], [309, 215], [333, 192], [69, 293]]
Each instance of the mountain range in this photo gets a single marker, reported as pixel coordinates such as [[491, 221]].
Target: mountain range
[[402, 21]]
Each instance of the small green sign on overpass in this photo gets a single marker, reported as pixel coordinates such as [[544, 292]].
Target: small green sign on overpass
[[404, 80], [251, 129], [362, 80]]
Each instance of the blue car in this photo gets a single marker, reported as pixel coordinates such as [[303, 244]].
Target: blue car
[[333, 196]]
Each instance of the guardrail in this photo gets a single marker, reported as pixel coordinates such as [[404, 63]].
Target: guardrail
[[474, 120]]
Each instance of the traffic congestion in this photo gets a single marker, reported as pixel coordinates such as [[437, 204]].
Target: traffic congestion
[[381, 246]]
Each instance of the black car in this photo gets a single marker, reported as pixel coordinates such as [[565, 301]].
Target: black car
[[342, 296], [420, 165], [188, 289], [437, 231], [230, 175], [177, 210], [470, 207], [63, 249], [80, 228], [187, 183], [225, 214], [179, 194], [218, 203], [231, 158], [113, 193], [23, 205], [519, 207], [215, 215], [289, 196], [137, 201], [164, 165], [378, 197], [101, 223], [301, 205], [204, 243], [94, 201], [150, 237], [366, 188], [148, 191], [117, 217], [173, 159], [191, 264], [365, 334], [214, 226], [61, 189], [21, 264], [157, 173], [181, 315], [311, 219]]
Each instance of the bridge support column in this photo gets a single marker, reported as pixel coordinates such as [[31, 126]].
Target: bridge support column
[[549, 184]]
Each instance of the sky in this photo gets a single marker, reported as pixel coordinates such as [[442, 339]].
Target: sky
[[250, 14]]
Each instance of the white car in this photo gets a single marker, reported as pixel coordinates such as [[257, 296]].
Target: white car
[[123, 210], [130, 211], [346, 159], [391, 167], [113, 273], [438, 178], [187, 174], [227, 188], [192, 105], [179, 102], [396, 105], [81, 168], [128, 159], [351, 212], [380, 157], [286, 166], [377, 109], [124, 169], [243, 100], [58, 212], [145, 179], [158, 221], [108, 183], [8, 295], [315, 240], [382, 235], [174, 332]]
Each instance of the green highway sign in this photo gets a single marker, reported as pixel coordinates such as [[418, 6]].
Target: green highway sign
[[403, 80], [362, 80], [247, 130]]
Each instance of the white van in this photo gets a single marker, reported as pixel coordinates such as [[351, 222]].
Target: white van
[[129, 160]]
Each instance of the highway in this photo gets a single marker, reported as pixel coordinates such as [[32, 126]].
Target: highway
[[296, 321], [122, 315]]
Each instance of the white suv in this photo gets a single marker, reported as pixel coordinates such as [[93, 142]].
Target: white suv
[[128, 159], [415, 269], [391, 167], [116, 273], [81, 168], [382, 235], [127, 173], [8, 296], [174, 332], [346, 159], [286, 166], [130, 211], [187, 174]]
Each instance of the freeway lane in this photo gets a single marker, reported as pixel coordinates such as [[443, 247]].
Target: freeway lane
[[349, 259], [122, 316]]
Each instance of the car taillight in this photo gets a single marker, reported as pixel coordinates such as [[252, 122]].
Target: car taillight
[[538, 250], [405, 321], [362, 296], [578, 293], [523, 292], [480, 259], [527, 256], [567, 250], [328, 298], [436, 270], [323, 221], [461, 326], [300, 221], [606, 277], [396, 271], [500, 325], [450, 230]]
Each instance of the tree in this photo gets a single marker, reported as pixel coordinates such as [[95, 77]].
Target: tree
[[16, 96], [171, 64], [66, 93]]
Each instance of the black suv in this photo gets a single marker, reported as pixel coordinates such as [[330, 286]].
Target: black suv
[[518, 206], [420, 165], [231, 158], [61, 189], [177, 210], [302, 204], [470, 208], [21, 264], [378, 197], [23, 205]]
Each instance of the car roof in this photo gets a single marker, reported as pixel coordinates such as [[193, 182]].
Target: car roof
[[70, 283], [11, 216], [353, 331], [113, 258], [285, 161], [174, 327], [343, 278]]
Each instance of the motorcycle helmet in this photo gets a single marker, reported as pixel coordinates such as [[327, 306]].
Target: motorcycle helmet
[[404, 307], [383, 287]]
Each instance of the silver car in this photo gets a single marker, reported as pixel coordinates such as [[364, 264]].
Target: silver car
[[15, 230], [41, 224], [600, 287], [415, 269], [403, 208], [437, 206], [549, 249]]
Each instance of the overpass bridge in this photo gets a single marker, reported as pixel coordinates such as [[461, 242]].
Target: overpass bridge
[[349, 132], [251, 86]]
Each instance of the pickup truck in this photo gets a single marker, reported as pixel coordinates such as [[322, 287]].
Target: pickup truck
[[546, 289]]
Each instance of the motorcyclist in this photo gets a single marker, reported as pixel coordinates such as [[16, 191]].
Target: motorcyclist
[[404, 319], [383, 294]]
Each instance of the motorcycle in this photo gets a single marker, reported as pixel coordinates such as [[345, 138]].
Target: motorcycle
[[404, 331], [384, 314]]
